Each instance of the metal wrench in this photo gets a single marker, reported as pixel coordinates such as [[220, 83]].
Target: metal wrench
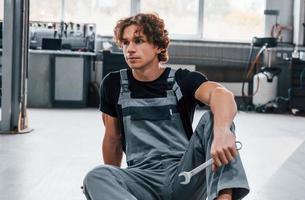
[[188, 175]]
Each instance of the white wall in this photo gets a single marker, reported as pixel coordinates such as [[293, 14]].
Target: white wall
[[298, 31], [285, 17]]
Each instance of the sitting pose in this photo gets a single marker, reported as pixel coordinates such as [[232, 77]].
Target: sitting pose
[[148, 111]]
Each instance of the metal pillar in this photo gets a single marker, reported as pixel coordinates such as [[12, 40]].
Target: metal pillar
[[14, 65]]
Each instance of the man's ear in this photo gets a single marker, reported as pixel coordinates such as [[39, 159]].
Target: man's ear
[[159, 50]]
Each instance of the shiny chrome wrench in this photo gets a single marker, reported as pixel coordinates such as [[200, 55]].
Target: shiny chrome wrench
[[188, 175]]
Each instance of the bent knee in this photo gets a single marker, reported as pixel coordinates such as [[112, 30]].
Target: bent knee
[[207, 117], [99, 174], [207, 120]]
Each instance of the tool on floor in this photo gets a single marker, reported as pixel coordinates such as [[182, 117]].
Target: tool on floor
[[188, 175]]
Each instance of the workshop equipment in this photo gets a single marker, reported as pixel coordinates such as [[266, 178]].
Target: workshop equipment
[[264, 90], [265, 86], [297, 91]]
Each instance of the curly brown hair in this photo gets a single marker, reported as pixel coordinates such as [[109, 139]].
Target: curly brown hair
[[151, 25]]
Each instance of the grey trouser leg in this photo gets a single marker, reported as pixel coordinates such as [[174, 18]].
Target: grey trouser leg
[[206, 183], [112, 183]]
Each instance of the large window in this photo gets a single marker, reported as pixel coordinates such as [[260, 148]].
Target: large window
[[1, 9], [180, 16], [46, 10], [104, 13], [220, 20], [233, 20]]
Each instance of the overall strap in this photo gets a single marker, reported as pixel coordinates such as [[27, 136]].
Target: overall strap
[[124, 91], [124, 81], [171, 77], [173, 84]]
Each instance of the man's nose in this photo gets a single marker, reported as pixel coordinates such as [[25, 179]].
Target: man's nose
[[131, 48]]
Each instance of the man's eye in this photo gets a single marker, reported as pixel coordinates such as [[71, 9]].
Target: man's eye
[[138, 41], [125, 43]]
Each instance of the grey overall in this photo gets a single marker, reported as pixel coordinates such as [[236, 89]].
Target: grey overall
[[157, 150]]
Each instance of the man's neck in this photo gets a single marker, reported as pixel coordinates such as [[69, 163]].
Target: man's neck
[[148, 74]]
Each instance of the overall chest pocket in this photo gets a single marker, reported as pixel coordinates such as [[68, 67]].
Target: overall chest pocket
[[151, 113]]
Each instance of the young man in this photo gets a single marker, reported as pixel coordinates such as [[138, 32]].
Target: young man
[[148, 112]]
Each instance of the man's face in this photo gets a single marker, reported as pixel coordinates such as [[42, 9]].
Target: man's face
[[138, 52]]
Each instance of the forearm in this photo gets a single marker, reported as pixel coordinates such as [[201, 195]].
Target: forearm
[[224, 109], [112, 151]]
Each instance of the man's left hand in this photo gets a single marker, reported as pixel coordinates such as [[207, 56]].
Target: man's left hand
[[223, 149]]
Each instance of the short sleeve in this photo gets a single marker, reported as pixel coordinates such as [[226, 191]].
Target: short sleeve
[[189, 82], [109, 95]]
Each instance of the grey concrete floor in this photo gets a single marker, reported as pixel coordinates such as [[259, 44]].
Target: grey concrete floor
[[50, 162]]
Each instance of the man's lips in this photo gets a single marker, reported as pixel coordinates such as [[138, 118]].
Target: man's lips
[[132, 58]]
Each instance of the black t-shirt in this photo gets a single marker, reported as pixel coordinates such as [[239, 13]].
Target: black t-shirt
[[188, 82]]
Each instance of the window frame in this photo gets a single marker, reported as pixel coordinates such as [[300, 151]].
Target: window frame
[[135, 8]]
